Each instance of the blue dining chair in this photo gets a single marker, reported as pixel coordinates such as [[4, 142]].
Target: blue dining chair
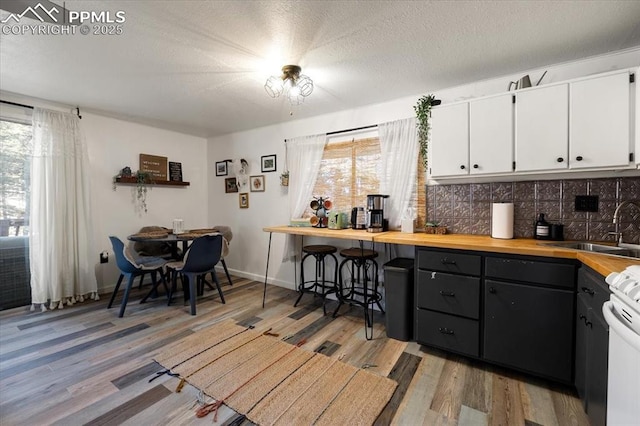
[[200, 259], [132, 266]]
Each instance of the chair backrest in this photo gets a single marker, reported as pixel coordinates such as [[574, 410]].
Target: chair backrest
[[203, 254], [124, 264]]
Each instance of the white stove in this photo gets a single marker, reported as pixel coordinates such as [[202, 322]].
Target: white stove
[[622, 313]]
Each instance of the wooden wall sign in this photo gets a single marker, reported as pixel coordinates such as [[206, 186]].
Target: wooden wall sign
[[154, 165]]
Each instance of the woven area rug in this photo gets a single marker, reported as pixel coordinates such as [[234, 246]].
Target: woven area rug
[[274, 382]]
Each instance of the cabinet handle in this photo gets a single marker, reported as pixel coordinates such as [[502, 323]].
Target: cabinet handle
[[560, 160], [445, 330], [579, 158], [588, 291], [447, 293], [446, 261], [462, 167], [475, 166], [492, 290]]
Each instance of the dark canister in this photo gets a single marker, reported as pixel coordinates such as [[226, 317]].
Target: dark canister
[[556, 231]]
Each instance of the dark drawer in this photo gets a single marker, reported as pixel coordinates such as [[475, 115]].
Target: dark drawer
[[442, 261], [448, 332], [452, 294], [532, 271], [593, 290]]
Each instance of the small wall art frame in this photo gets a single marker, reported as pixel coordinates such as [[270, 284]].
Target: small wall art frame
[[221, 168], [268, 163], [230, 185], [257, 183], [243, 199]]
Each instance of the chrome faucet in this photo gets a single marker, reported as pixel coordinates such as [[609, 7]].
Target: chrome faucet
[[616, 218]]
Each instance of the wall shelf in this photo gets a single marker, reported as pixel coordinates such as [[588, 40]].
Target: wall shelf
[[132, 180]]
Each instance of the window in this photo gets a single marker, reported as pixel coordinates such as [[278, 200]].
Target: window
[[349, 171], [15, 144]]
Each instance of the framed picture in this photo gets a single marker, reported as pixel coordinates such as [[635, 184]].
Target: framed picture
[[268, 163], [221, 168], [244, 200], [257, 183], [230, 185]]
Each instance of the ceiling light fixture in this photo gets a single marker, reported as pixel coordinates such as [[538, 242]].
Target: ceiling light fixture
[[295, 85]]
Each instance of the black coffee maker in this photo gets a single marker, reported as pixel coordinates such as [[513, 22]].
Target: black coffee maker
[[375, 213]]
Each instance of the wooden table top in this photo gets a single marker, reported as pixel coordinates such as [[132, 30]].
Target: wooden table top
[[602, 263]]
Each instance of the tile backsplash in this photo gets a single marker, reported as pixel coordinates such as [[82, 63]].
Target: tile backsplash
[[466, 208]]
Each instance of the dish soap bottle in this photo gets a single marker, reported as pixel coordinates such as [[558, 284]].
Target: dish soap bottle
[[541, 229]]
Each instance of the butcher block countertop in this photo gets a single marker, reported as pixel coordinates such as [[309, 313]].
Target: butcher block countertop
[[602, 263]]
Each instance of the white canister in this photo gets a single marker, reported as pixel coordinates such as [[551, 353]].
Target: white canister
[[502, 220], [178, 226]]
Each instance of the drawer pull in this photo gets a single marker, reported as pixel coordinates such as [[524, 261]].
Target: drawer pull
[[446, 261], [588, 291], [492, 290], [447, 293], [445, 330]]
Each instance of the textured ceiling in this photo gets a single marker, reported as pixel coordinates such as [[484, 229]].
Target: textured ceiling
[[199, 66]]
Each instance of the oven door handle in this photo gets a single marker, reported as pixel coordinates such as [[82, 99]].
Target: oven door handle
[[616, 325]]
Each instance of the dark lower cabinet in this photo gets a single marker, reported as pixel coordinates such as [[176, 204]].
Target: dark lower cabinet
[[592, 345], [529, 328], [515, 311]]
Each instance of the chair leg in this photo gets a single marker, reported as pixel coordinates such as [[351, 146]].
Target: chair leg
[[226, 271], [125, 298], [115, 290], [193, 279], [173, 286], [215, 280], [156, 283], [141, 280]]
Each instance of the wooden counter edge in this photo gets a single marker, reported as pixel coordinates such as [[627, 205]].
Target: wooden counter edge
[[601, 263]]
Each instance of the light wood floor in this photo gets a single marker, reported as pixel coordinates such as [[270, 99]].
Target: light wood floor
[[84, 365]]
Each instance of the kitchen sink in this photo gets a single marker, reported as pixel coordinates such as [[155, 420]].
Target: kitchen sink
[[624, 250]]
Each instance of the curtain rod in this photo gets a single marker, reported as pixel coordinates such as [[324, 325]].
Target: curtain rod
[[31, 107], [337, 132], [16, 104]]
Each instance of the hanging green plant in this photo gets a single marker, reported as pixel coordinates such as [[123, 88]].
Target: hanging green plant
[[142, 180], [423, 114]]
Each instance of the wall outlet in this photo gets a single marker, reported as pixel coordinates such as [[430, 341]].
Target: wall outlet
[[104, 257], [586, 203]]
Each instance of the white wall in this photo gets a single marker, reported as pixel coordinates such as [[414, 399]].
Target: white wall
[[113, 144], [249, 247]]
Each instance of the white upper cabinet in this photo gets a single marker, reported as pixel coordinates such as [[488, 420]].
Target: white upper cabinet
[[449, 146], [542, 128], [491, 135], [599, 131]]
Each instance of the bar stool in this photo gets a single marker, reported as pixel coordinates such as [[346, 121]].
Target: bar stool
[[318, 287], [360, 264]]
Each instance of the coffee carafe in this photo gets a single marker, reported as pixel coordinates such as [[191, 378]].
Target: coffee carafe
[[375, 213]]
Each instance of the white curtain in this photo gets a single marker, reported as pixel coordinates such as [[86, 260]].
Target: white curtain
[[304, 155], [60, 238], [399, 152]]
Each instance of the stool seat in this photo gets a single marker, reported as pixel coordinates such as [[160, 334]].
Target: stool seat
[[358, 253], [319, 249], [319, 286]]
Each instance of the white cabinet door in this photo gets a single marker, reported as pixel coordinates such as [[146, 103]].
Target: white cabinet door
[[449, 147], [491, 135], [542, 129], [599, 122]]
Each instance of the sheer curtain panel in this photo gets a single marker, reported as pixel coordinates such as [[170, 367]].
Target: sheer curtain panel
[[61, 242], [304, 155], [399, 151]]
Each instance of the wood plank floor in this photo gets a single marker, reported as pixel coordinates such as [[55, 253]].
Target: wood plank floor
[[84, 365]]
